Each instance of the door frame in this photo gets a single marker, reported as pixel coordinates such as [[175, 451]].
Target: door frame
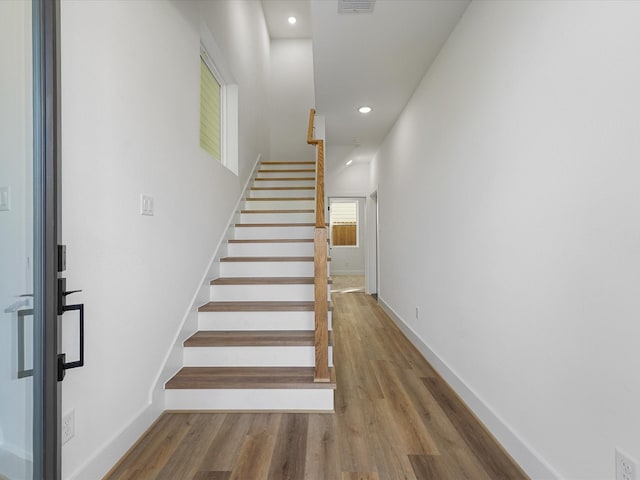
[[372, 282], [46, 154]]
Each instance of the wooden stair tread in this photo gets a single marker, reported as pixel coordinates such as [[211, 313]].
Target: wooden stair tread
[[279, 199], [276, 224], [278, 211], [302, 170], [288, 163], [264, 281], [258, 306], [268, 259], [285, 179], [247, 377], [272, 240], [254, 338], [283, 188]]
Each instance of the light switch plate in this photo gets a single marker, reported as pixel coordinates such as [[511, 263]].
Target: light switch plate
[[146, 205], [5, 199]]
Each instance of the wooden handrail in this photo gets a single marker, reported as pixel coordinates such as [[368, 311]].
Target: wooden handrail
[[310, 139], [321, 373]]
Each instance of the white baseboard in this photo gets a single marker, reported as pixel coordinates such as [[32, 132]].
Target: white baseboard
[[99, 464], [529, 460]]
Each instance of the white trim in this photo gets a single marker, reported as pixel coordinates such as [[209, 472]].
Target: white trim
[[529, 460], [208, 61], [105, 457]]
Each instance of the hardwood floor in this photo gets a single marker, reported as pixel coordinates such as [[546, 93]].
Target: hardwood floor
[[395, 419]]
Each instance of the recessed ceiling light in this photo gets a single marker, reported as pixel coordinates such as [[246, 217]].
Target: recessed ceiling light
[[292, 20], [364, 109], [350, 162]]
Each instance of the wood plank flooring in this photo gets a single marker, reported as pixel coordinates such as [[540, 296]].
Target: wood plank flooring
[[395, 419]]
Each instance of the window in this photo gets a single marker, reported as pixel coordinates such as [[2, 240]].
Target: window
[[210, 112], [218, 103], [344, 222]]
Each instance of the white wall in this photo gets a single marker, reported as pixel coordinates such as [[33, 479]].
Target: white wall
[[130, 95], [291, 97], [349, 181], [516, 162], [15, 226]]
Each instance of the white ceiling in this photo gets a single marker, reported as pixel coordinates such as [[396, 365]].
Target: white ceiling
[[277, 12], [374, 59]]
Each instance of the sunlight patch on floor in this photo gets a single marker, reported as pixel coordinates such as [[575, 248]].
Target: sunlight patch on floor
[[347, 284]]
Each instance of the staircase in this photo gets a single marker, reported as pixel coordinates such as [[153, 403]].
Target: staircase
[[255, 346]]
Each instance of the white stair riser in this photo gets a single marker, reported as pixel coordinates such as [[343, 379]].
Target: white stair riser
[[277, 217], [288, 166], [279, 204], [239, 321], [261, 293], [272, 182], [272, 233], [297, 356], [266, 269], [289, 249], [284, 174], [281, 193], [250, 399]]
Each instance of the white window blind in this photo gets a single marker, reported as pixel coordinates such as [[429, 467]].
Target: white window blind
[[210, 112], [344, 212]]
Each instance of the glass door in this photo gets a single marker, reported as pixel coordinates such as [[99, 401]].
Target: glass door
[[29, 391]]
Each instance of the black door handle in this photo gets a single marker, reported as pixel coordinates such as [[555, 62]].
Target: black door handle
[[63, 365], [22, 371]]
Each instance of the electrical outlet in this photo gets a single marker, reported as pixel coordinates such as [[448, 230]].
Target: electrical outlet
[[626, 467], [146, 205], [68, 426]]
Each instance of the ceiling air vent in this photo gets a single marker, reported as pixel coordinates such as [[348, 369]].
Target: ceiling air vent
[[355, 6]]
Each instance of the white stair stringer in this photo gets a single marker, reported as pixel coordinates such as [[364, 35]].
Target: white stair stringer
[[269, 258]]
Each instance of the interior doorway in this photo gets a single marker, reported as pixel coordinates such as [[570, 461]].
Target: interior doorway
[[347, 235]]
